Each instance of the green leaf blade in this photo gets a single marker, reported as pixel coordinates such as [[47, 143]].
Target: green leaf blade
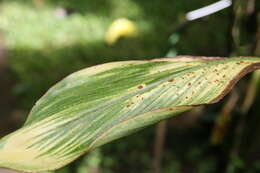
[[102, 103]]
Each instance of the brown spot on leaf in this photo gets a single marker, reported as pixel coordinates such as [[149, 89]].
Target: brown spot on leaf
[[140, 87], [250, 68]]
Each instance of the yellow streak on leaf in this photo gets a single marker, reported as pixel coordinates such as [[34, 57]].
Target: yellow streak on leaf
[[15, 151]]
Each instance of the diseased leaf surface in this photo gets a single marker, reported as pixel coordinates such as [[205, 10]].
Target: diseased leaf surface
[[102, 103]]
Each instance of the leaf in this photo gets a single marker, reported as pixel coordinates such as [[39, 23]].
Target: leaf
[[102, 103]]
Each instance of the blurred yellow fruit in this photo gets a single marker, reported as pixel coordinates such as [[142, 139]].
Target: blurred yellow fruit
[[120, 28]]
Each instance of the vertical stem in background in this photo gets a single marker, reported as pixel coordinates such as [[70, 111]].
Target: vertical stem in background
[[220, 130], [235, 32], [243, 10], [237, 15], [221, 125], [253, 86], [249, 142], [159, 145]]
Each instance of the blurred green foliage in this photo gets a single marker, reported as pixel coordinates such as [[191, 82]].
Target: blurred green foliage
[[43, 46]]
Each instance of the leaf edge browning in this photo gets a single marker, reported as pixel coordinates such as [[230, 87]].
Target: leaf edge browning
[[250, 68]]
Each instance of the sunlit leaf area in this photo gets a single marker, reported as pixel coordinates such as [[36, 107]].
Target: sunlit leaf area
[[135, 115]]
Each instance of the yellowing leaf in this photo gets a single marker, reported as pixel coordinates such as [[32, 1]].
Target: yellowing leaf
[[102, 103]]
